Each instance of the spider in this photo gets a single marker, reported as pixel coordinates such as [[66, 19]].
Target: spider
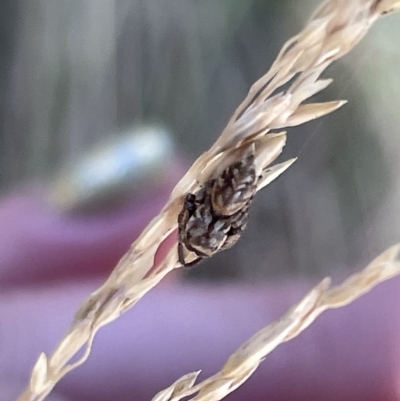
[[213, 218]]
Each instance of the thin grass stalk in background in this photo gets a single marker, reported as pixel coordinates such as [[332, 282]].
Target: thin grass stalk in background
[[242, 363]]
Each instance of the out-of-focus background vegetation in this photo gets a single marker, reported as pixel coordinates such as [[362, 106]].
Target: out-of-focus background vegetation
[[73, 73]]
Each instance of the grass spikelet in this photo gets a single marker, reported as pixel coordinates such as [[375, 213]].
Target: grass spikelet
[[242, 363]]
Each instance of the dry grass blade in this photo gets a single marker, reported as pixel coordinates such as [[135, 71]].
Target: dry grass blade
[[246, 359], [335, 28]]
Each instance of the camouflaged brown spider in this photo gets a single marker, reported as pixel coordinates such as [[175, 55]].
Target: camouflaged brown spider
[[213, 218]]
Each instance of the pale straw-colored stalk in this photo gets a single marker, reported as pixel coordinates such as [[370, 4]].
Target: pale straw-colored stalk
[[242, 363], [333, 30]]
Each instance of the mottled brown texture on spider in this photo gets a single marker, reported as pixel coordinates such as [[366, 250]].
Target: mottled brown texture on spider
[[213, 218]]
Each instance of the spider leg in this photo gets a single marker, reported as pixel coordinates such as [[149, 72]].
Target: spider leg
[[194, 262], [189, 202], [230, 240], [181, 257]]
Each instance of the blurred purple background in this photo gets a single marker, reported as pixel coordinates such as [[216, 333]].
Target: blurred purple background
[[78, 72]]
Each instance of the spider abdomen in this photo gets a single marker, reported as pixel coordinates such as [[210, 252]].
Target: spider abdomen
[[213, 218]]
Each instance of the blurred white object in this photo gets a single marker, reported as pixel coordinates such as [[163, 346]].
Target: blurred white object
[[114, 170]]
